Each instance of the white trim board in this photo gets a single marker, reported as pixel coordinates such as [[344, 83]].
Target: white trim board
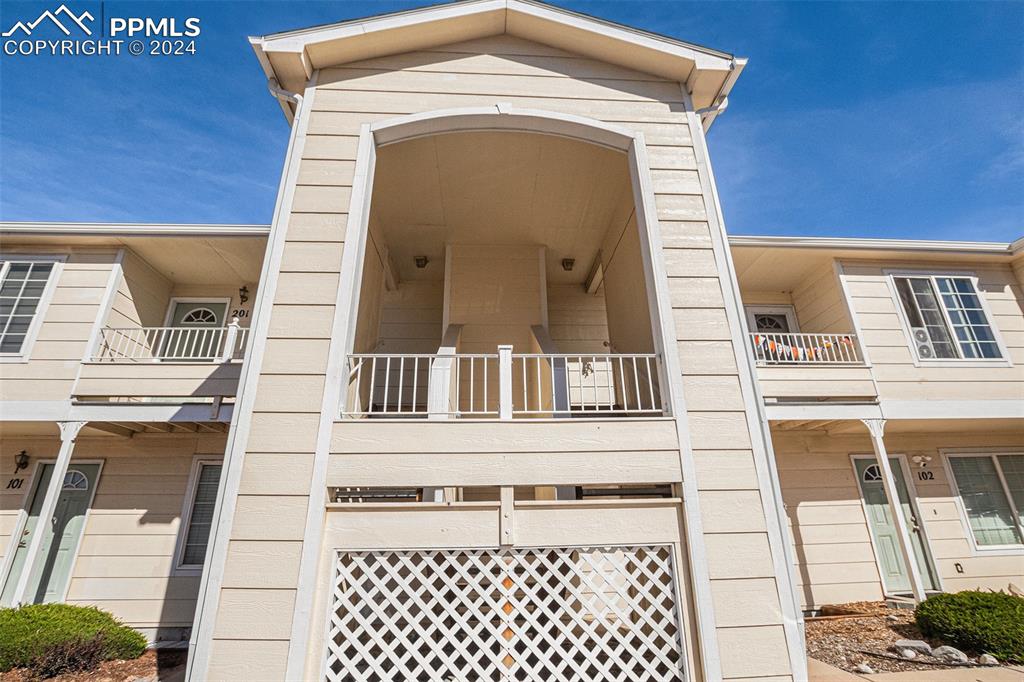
[[208, 600], [506, 118], [133, 229], [776, 523]]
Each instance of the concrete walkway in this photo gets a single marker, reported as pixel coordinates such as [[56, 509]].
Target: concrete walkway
[[823, 672]]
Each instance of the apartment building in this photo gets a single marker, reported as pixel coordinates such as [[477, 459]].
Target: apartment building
[[494, 396]]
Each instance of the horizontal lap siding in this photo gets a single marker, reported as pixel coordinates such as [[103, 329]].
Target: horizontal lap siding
[[125, 562], [893, 360], [523, 74], [835, 561], [63, 335]]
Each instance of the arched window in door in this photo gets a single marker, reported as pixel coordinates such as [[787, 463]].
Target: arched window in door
[[75, 480], [200, 316]]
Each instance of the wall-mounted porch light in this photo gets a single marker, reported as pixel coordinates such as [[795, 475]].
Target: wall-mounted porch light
[[568, 263], [243, 294], [20, 461], [421, 261]]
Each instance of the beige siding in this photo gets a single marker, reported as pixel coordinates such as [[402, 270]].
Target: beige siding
[[577, 321], [892, 358], [820, 305], [64, 333], [412, 318], [528, 75], [125, 562], [835, 561]]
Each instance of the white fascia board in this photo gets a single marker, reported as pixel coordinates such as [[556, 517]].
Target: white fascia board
[[65, 410], [296, 41], [823, 411], [256, 44], [952, 409], [133, 229], [871, 244], [723, 94]]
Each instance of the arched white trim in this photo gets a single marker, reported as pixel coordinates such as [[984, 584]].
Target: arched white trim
[[75, 480], [501, 117], [199, 316]]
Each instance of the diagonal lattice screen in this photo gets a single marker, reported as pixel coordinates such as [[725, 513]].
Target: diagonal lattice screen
[[558, 613]]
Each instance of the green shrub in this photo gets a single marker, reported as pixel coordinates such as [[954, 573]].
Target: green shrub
[[30, 632], [982, 622]]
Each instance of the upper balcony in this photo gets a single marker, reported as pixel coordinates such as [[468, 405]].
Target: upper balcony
[[514, 290], [800, 329], [177, 327]]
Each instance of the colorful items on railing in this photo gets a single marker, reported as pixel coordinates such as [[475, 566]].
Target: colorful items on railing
[[842, 350]]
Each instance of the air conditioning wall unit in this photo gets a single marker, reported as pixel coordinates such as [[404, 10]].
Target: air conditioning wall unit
[[923, 342]]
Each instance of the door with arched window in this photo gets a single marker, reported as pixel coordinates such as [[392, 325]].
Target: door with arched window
[[195, 329]]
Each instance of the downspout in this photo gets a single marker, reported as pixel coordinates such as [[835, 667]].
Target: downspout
[[709, 114], [280, 93], [208, 600]]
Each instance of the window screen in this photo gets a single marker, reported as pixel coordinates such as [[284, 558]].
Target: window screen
[[201, 518], [987, 501], [948, 311], [21, 289]]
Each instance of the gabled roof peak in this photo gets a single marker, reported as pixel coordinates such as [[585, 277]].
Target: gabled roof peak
[[292, 56]]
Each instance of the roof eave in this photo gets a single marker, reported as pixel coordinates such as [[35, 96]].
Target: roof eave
[[55, 229], [708, 74], [871, 244]]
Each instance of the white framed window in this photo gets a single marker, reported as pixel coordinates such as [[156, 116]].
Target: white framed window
[[26, 286], [990, 492], [197, 515], [768, 319], [946, 317]]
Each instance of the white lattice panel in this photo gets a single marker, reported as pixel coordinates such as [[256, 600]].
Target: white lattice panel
[[556, 613]]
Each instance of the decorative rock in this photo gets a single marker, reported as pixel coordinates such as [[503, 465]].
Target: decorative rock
[[988, 659], [865, 669], [893, 617], [950, 653], [915, 645], [908, 654]]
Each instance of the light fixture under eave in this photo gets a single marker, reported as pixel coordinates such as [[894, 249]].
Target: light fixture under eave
[[243, 294], [568, 263], [421, 261], [20, 461]]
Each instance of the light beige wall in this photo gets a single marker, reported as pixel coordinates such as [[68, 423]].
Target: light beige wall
[[126, 557], [625, 291], [892, 358], [412, 318], [64, 333], [272, 507], [820, 306], [835, 560], [142, 296], [495, 295], [576, 320]]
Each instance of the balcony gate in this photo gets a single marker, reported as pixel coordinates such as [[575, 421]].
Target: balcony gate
[[552, 613]]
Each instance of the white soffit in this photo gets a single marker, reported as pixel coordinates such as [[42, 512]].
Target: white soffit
[[291, 56]]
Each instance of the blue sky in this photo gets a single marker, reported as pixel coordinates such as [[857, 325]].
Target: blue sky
[[855, 119]]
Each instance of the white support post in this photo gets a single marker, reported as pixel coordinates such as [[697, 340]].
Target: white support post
[[506, 520], [504, 382], [441, 375], [876, 427], [68, 434], [230, 339]]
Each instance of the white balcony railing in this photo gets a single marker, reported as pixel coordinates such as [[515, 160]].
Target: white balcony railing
[[806, 349], [503, 385], [171, 344]]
